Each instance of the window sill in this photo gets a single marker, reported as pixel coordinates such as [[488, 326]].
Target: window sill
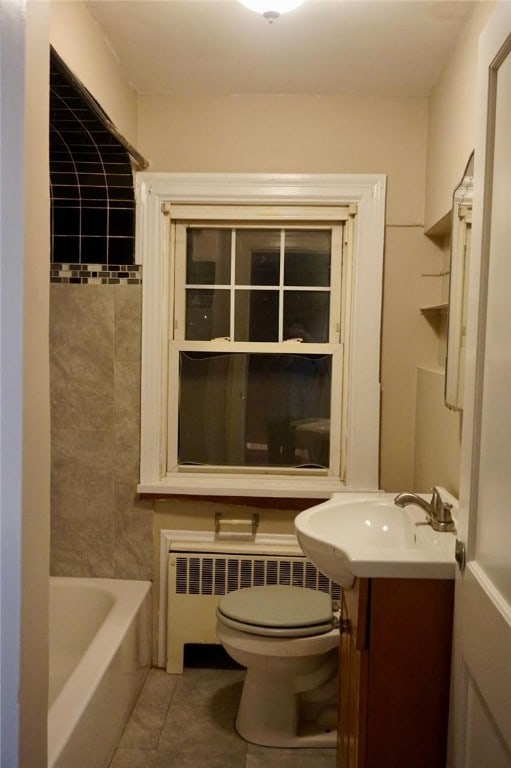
[[212, 484]]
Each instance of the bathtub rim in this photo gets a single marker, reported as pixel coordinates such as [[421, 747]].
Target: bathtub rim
[[71, 703]]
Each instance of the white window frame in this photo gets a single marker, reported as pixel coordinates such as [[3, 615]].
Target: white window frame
[[339, 220], [155, 193]]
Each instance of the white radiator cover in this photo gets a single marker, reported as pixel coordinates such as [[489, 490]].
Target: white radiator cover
[[200, 573]]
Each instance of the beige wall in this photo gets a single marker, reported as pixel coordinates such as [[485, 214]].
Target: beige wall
[[437, 435], [452, 120], [78, 40], [293, 134], [36, 411], [407, 337], [451, 139]]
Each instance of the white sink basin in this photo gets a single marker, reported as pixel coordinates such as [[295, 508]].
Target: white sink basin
[[368, 535]]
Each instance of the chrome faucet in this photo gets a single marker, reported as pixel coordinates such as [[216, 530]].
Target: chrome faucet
[[438, 511]]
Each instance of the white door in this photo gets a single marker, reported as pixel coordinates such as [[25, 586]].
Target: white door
[[480, 732]]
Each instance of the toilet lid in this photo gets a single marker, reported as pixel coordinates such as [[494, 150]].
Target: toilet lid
[[279, 610]]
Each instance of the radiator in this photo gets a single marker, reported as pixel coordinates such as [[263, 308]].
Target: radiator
[[197, 579]]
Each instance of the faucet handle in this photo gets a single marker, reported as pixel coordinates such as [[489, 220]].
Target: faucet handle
[[442, 509], [436, 499]]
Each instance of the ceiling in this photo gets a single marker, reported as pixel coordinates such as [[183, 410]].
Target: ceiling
[[373, 47]]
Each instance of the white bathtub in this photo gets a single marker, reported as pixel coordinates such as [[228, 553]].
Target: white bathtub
[[100, 653]]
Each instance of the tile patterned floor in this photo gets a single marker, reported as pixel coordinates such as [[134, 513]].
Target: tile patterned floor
[[188, 721]]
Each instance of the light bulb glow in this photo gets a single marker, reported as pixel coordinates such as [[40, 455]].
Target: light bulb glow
[[271, 9]]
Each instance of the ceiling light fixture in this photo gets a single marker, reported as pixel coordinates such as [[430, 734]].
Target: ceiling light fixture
[[271, 9]]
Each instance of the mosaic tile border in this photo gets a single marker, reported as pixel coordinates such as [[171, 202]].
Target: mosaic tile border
[[96, 274]]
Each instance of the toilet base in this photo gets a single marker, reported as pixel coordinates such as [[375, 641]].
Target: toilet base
[[305, 740], [275, 715]]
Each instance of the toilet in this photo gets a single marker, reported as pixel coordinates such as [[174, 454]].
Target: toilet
[[287, 639]]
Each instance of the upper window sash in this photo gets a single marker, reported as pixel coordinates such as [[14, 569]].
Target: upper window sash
[[336, 288]]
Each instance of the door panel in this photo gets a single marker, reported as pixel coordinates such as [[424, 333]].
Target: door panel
[[492, 540], [480, 734], [484, 744], [482, 642]]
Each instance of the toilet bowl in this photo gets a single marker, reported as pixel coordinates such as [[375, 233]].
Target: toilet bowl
[[285, 637]]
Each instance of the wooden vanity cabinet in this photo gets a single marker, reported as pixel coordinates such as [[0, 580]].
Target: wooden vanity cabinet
[[395, 655]]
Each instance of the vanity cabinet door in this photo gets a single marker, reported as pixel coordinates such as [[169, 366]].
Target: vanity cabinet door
[[410, 642], [353, 676], [395, 654]]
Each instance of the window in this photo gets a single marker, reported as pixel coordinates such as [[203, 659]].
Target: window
[[255, 345], [257, 372]]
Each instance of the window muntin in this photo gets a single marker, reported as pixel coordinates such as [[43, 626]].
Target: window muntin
[[271, 298]]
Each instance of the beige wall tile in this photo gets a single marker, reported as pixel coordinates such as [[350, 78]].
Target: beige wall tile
[[127, 419], [128, 322], [100, 527], [81, 356], [82, 524], [132, 534]]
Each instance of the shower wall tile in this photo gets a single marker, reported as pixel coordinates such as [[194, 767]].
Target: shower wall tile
[[128, 322], [127, 416], [100, 526], [133, 534], [83, 498], [81, 356]]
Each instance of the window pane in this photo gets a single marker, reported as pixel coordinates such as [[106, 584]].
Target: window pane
[[256, 316], [208, 256], [306, 315], [257, 257], [307, 258], [207, 314], [254, 409]]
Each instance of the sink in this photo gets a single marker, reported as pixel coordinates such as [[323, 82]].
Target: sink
[[367, 535]]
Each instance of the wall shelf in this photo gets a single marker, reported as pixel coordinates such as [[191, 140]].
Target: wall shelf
[[435, 309]]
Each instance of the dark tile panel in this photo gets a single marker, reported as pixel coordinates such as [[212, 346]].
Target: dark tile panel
[[121, 222], [120, 249], [66, 221], [94, 249], [91, 184]]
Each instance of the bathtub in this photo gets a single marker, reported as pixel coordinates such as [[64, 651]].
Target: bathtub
[[100, 653]]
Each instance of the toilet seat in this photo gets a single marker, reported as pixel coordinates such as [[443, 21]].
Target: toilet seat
[[277, 611]]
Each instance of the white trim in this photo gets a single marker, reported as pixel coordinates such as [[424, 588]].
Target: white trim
[[458, 284], [155, 190], [260, 485], [262, 213]]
